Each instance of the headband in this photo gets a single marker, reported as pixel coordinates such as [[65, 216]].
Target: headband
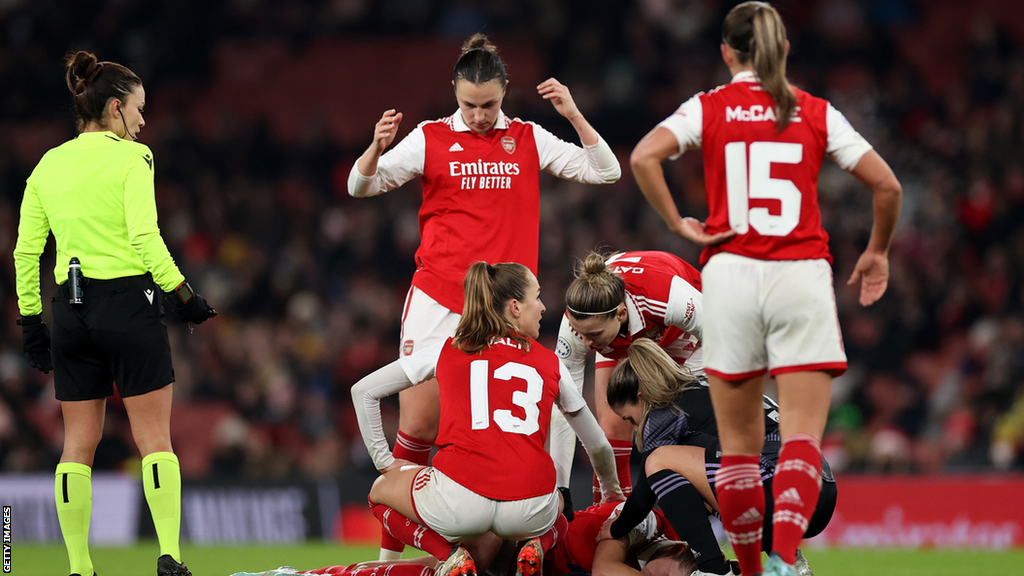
[[578, 313]]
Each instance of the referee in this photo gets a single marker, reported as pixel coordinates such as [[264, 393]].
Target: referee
[[95, 193]]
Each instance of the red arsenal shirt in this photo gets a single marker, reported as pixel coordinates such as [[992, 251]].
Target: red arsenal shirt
[[495, 410], [761, 184], [481, 193], [481, 201]]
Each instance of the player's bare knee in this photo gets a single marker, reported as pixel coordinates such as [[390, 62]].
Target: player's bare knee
[[616, 428], [377, 489]]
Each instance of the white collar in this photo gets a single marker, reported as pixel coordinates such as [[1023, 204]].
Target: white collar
[[634, 319], [459, 125], [745, 76]]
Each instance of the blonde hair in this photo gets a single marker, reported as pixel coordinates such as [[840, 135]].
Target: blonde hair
[[755, 31], [596, 291], [649, 376], [488, 290]]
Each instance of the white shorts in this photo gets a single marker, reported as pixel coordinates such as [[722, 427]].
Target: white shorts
[[425, 322], [769, 315], [456, 512]]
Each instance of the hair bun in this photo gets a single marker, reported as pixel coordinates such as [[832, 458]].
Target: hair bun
[[478, 41], [85, 66], [594, 264]]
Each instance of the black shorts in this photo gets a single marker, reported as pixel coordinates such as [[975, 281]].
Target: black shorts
[[117, 334]]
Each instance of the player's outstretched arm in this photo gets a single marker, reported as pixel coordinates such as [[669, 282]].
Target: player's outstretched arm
[[872, 268], [558, 94], [366, 395], [602, 457], [656, 147]]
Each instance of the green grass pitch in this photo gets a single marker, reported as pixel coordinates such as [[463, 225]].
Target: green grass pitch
[[140, 560]]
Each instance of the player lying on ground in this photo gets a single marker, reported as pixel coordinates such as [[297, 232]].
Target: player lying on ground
[[650, 549], [678, 436]]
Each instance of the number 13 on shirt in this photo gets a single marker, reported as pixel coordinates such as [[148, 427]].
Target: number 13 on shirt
[[479, 394], [748, 175]]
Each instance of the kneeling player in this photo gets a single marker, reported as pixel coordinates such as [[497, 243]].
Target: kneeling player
[[498, 386]]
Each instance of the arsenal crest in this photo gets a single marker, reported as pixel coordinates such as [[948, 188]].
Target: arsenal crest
[[509, 144]]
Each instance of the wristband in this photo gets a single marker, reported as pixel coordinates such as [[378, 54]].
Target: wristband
[[184, 293], [29, 320]]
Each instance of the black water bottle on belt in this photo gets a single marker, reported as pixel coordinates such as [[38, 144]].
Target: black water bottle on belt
[[75, 281]]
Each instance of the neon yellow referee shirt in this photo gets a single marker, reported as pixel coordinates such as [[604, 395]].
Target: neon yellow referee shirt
[[96, 194]]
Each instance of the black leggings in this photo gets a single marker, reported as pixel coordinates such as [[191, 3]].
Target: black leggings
[[643, 500]]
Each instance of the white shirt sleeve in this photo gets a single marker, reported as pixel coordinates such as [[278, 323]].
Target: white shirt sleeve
[[687, 125], [845, 145], [595, 164], [401, 163], [570, 399], [394, 377], [572, 352], [685, 307], [602, 458]]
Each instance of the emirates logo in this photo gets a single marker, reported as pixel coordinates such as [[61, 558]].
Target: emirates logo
[[509, 144]]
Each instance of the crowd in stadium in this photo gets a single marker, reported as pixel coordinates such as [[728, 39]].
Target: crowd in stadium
[[310, 282]]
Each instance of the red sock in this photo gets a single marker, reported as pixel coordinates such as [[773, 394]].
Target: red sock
[[622, 450], [408, 532], [741, 502], [555, 535], [412, 449], [795, 490], [390, 569], [418, 452]]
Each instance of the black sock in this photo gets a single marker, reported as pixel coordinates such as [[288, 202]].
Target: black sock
[[684, 508]]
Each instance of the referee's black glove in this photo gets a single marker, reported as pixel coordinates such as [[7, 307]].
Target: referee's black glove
[[189, 306], [37, 342]]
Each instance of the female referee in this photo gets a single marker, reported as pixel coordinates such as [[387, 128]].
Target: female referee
[[481, 201], [677, 433], [497, 388], [613, 300], [95, 193], [769, 306]]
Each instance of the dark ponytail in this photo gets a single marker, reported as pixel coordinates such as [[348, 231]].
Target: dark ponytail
[[488, 290], [93, 84], [755, 31], [479, 62]]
